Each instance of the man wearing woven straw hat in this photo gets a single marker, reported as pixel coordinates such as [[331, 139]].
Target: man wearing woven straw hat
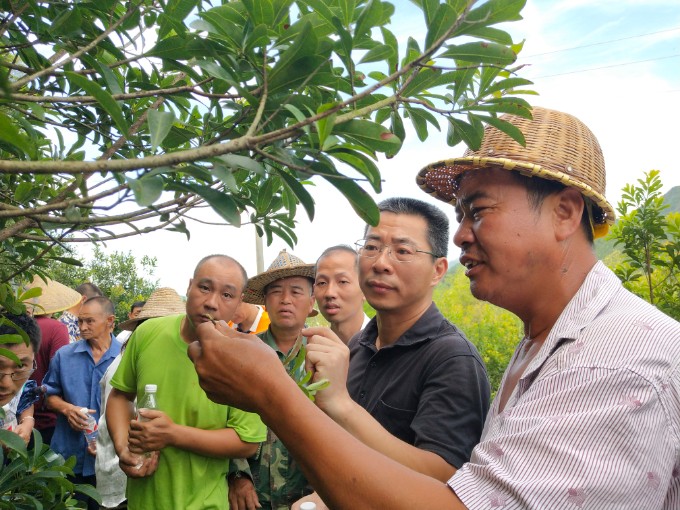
[[588, 413], [189, 437], [87, 291], [272, 479]]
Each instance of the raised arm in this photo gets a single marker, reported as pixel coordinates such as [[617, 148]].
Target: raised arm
[[328, 356], [236, 370]]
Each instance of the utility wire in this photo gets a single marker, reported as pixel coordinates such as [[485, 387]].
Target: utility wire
[[600, 43], [608, 67]]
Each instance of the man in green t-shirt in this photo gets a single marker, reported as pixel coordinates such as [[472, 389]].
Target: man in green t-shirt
[[191, 438]]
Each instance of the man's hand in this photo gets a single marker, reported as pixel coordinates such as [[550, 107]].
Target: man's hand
[[137, 466], [153, 434], [227, 361], [242, 494], [328, 358], [25, 428], [76, 419]]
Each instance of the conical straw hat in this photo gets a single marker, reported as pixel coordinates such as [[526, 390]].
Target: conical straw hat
[[55, 297], [161, 302], [559, 147], [284, 266]]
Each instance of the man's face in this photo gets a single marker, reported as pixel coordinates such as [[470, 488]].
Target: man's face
[[9, 387], [215, 291], [289, 301], [336, 287], [94, 323], [390, 285], [135, 312], [505, 243]]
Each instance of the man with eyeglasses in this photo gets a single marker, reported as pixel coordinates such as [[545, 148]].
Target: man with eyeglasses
[[72, 384], [17, 393], [409, 385]]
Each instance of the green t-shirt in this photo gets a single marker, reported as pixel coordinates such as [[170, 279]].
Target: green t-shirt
[[156, 354]]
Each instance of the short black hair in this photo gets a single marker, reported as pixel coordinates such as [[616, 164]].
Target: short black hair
[[89, 290], [26, 323], [224, 257], [338, 247], [105, 304], [137, 304], [436, 219]]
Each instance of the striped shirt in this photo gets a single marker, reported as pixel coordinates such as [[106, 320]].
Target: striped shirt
[[594, 422]]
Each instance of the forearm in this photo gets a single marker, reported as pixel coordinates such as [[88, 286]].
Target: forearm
[[358, 422], [331, 466], [212, 443], [118, 416], [57, 404]]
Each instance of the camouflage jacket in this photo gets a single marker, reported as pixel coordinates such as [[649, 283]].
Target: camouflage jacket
[[277, 478]]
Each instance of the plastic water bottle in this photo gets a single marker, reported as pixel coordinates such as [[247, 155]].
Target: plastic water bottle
[[91, 429], [308, 505], [148, 402]]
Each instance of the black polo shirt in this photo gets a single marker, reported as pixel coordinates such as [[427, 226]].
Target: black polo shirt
[[429, 388]]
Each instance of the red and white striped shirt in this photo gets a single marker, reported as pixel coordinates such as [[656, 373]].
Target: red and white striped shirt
[[594, 422]]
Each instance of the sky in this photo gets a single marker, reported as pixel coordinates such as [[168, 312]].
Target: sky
[[614, 64]]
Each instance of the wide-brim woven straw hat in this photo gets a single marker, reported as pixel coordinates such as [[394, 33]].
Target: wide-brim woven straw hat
[[162, 302], [55, 297], [284, 266], [559, 147]]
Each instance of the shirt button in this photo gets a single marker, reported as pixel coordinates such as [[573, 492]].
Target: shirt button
[[362, 394], [372, 364]]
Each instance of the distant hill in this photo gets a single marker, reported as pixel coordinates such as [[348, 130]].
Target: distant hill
[[672, 198]]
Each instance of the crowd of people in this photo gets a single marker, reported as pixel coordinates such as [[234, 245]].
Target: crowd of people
[[587, 415]]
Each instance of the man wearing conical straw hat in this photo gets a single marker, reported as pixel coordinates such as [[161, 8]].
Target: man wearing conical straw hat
[[588, 413], [272, 479]]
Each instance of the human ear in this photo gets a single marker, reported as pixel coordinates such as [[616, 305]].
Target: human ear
[[567, 212]]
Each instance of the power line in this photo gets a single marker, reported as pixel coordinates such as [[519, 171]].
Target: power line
[[608, 67], [601, 43]]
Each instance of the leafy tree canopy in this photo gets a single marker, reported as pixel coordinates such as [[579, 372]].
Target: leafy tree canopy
[[235, 105]]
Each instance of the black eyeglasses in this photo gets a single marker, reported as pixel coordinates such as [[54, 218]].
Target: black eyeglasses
[[401, 252], [20, 375]]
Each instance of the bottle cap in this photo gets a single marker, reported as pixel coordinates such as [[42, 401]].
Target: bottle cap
[[308, 505], [85, 411], [150, 388]]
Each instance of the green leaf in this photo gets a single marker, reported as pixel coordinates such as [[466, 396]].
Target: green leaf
[[361, 202], [216, 71], [226, 175], [371, 135], [441, 22], [146, 189], [89, 491], [104, 99], [324, 127], [10, 134], [361, 163], [491, 34], [160, 124], [480, 53], [347, 9], [238, 161], [300, 192], [368, 18], [260, 11], [377, 54], [466, 132], [14, 442], [506, 127], [221, 202], [391, 41]]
